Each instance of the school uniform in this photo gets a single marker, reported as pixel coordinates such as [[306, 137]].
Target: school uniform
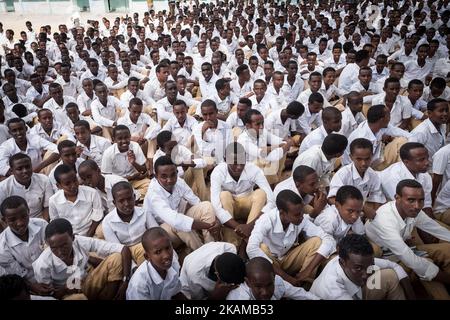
[[432, 138], [213, 142], [95, 150], [442, 204], [182, 133], [441, 163]]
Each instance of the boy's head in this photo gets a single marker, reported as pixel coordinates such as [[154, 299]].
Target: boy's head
[[123, 198], [415, 89], [361, 152], [122, 136], [306, 179], [329, 76], [59, 237], [21, 168], [17, 129], [381, 62], [88, 86], [259, 88], [133, 85], [66, 179], [166, 172], [391, 87], [228, 268], [135, 109], [101, 91], [209, 111], [438, 111], [13, 287], [278, 79], [158, 249], [82, 131], [295, 110], [331, 119], [73, 112], [260, 278], [365, 75], [349, 203], [16, 214], [409, 198], [242, 107], [355, 257], [333, 145], [166, 142], [379, 114], [315, 102], [235, 157], [355, 101], [180, 110], [415, 157], [315, 81], [290, 206], [254, 121], [68, 152], [437, 86], [89, 173]]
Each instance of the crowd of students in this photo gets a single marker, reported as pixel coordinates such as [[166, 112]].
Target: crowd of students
[[231, 150]]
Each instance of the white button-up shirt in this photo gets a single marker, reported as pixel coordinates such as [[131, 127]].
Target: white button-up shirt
[[308, 120], [274, 125], [50, 269], [314, 138], [441, 163], [350, 122], [86, 209], [182, 133], [390, 231], [221, 180], [96, 149], [369, 185], [283, 289], [144, 125], [333, 283], [36, 195], [17, 256], [116, 162], [57, 132], [213, 139], [266, 105], [397, 172], [400, 110], [254, 145], [127, 233], [147, 284], [195, 283], [71, 88], [208, 89], [269, 230], [348, 76], [165, 206], [105, 115], [427, 134], [292, 92], [316, 159], [59, 112]]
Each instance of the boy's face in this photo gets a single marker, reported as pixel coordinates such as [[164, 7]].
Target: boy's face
[[278, 80], [365, 76], [380, 64], [436, 92], [17, 219], [101, 92], [398, 71], [135, 111], [310, 185], [294, 214], [329, 78], [124, 201], [89, 176], [440, 113], [180, 112], [69, 156], [315, 83], [18, 131], [259, 89], [315, 107], [167, 176], [122, 138], [209, 113], [83, 134], [69, 183], [334, 124], [22, 170], [416, 91], [73, 113], [181, 85], [262, 284], [61, 245], [362, 159], [241, 109], [113, 73], [256, 124], [292, 69], [355, 267], [411, 201], [207, 72], [171, 91], [350, 210], [46, 120], [336, 53], [392, 89], [160, 253]]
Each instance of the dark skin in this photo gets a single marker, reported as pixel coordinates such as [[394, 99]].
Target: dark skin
[[92, 178], [261, 283], [392, 90], [123, 138], [221, 288], [124, 202], [409, 203], [17, 219], [310, 186], [22, 170]]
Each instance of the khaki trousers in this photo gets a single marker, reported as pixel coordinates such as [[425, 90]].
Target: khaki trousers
[[137, 253], [141, 186], [272, 170], [443, 217], [388, 288], [391, 153], [195, 179]]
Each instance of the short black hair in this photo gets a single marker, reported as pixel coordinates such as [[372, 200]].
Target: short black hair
[[438, 83], [12, 202], [414, 82], [12, 286], [376, 113], [15, 120], [330, 114], [58, 226], [361, 143], [348, 192], [246, 101], [361, 55], [248, 115], [208, 103], [334, 144], [152, 234], [433, 104], [120, 127], [60, 170], [66, 144], [315, 97], [119, 186], [407, 183], [285, 197], [405, 150], [82, 123], [163, 137], [355, 244], [135, 101], [18, 156], [163, 161], [301, 172], [89, 164], [230, 267], [295, 108]]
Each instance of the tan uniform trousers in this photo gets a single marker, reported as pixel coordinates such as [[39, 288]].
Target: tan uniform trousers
[[195, 179], [297, 258], [443, 217], [244, 209], [391, 153], [272, 170], [141, 186], [389, 287]]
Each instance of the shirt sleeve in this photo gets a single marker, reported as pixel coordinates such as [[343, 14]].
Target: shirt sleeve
[[162, 113], [387, 264], [109, 233], [263, 226], [99, 119], [9, 263], [328, 245], [216, 188]]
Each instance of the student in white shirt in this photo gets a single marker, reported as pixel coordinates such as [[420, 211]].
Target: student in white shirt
[[262, 100], [356, 275], [86, 97], [261, 283], [133, 91], [392, 227], [181, 124], [419, 68], [349, 74], [211, 272], [293, 83], [49, 129], [80, 205], [442, 204], [236, 204], [364, 85], [89, 146], [311, 118], [437, 89], [126, 159], [352, 115], [67, 257], [322, 158], [167, 200], [157, 278], [432, 131], [21, 242], [275, 234], [127, 223]]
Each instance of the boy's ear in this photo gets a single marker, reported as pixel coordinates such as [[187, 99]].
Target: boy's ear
[[246, 280], [58, 185], [145, 256]]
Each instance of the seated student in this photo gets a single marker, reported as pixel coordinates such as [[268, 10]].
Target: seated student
[[442, 204], [315, 85], [127, 223], [116, 82], [262, 100], [379, 70], [67, 267], [80, 205], [158, 277], [331, 92], [50, 130], [105, 110], [167, 200], [437, 90], [86, 97], [418, 105], [352, 115], [392, 228], [293, 82], [23, 142], [126, 159], [365, 86], [432, 132], [275, 237], [263, 148], [354, 274], [261, 283], [58, 103], [275, 94], [236, 203], [413, 165], [331, 122], [189, 167], [311, 118], [21, 242], [212, 135], [234, 119], [211, 272], [359, 174], [134, 92], [323, 158], [73, 113], [378, 130], [344, 216], [142, 127], [68, 154], [284, 122], [181, 124], [38, 92], [89, 146], [222, 98]]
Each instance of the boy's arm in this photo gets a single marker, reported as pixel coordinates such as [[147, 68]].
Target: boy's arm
[[92, 228], [52, 158], [126, 272]]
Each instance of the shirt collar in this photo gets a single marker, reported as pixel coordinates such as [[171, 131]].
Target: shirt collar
[[156, 278], [350, 287], [14, 240], [136, 214]]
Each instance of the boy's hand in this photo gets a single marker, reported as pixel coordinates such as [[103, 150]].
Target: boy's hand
[[41, 289], [131, 156], [79, 150], [221, 290], [120, 295], [244, 230]]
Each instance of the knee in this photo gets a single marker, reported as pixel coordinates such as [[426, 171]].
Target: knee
[[226, 196], [315, 243], [259, 195]]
